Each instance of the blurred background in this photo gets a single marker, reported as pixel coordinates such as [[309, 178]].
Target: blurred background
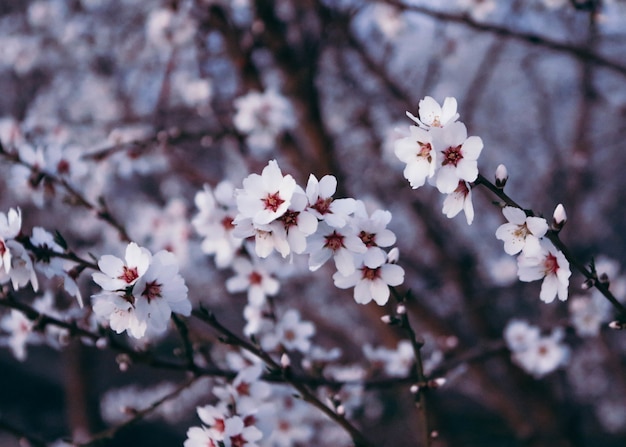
[[151, 99]]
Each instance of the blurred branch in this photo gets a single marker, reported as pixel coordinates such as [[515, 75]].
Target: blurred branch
[[137, 415], [276, 369], [528, 38]]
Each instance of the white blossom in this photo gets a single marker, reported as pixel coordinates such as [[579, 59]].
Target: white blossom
[[521, 233], [549, 264]]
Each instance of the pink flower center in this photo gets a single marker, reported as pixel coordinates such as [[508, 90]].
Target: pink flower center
[[334, 241], [462, 188], [452, 156], [369, 239], [425, 149], [129, 274], [255, 278], [152, 290], [322, 206], [227, 223], [3, 248], [273, 202], [63, 167], [219, 425], [243, 389], [290, 335], [551, 264], [238, 441], [370, 274]]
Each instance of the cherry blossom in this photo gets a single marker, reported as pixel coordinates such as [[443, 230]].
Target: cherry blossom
[[417, 152], [544, 355], [116, 274], [522, 232], [371, 283], [459, 155], [253, 277], [343, 245], [460, 199], [144, 291], [549, 264], [291, 332], [266, 197], [263, 117], [373, 232], [217, 211], [160, 291], [431, 114], [334, 212], [10, 226]]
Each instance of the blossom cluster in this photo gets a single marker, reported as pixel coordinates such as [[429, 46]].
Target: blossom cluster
[[280, 216], [535, 353], [538, 257], [439, 150], [140, 292], [21, 257]]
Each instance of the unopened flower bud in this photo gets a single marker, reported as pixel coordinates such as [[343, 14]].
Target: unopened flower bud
[[401, 310], [387, 319], [588, 284], [341, 410], [559, 217], [618, 325], [414, 389], [502, 176], [438, 382], [393, 255], [434, 434], [603, 278], [102, 343], [285, 361]]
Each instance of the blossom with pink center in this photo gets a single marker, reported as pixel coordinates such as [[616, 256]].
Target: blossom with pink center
[[431, 114], [458, 157], [238, 434], [544, 355], [549, 264], [460, 199], [263, 117], [335, 212], [266, 197], [117, 274], [371, 283], [521, 233], [161, 291], [148, 289], [253, 277], [373, 232], [519, 335], [214, 222], [291, 332], [343, 245], [296, 224], [417, 152]]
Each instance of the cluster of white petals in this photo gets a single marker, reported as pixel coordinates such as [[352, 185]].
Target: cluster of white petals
[[281, 216], [535, 353], [263, 117], [140, 292], [438, 149]]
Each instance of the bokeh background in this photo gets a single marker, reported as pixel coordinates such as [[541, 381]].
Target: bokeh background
[[144, 92]]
